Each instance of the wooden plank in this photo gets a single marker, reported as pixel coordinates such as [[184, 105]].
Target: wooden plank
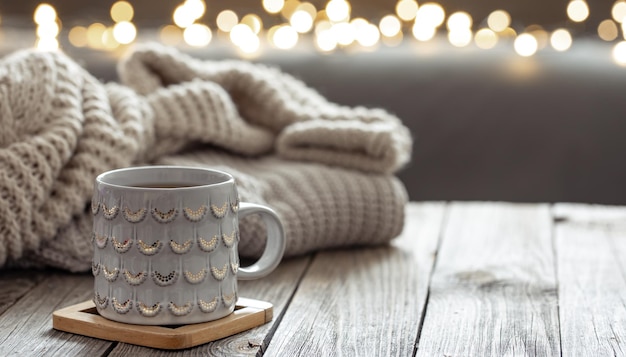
[[366, 301], [591, 252], [493, 290], [16, 283], [26, 327], [277, 288]]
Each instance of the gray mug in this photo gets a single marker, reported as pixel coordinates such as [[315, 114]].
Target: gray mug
[[165, 244]]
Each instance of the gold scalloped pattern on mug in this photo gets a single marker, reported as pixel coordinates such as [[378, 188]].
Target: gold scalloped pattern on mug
[[234, 206], [207, 245], [121, 247], [95, 207], [195, 215], [229, 240], [195, 278], [135, 279], [165, 280], [101, 240], [219, 212], [149, 249], [136, 216], [229, 299], [180, 248], [148, 311], [219, 274], [121, 308], [95, 268], [208, 306], [100, 301], [109, 213], [181, 310], [164, 217], [110, 275], [234, 267]]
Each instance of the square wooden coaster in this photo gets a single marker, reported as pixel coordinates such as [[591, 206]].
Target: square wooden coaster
[[83, 319]]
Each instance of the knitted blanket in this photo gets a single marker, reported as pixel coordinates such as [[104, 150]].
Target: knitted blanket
[[326, 169]]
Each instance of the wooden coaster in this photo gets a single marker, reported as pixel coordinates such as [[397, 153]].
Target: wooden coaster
[[83, 319]]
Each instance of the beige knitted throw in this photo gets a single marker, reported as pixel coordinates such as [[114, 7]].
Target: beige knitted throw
[[326, 169]]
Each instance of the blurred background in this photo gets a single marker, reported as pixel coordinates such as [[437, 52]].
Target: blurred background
[[521, 100]]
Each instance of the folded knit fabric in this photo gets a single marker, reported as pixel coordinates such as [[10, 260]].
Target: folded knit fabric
[[326, 169]]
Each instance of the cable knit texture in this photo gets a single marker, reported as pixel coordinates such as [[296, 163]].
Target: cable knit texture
[[326, 169]]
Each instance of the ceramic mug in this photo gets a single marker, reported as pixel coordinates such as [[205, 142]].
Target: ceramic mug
[[165, 244]]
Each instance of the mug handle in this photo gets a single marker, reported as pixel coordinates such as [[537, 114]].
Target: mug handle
[[274, 248]]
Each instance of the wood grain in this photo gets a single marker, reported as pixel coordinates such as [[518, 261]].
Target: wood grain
[[26, 327], [277, 288], [16, 283], [364, 301], [493, 290], [591, 252]]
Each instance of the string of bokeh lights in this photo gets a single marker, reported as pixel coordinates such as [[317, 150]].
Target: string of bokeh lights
[[331, 27]]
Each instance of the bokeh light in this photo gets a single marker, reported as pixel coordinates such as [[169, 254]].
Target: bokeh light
[[368, 35], [94, 35], [183, 17], [486, 38], [607, 30], [273, 6], [577, 10], [499, 20], [285, 37], [197, 35], [406, 9], [226, 20], [618, 11], [44, 13], [122, 11], [423, 31], [325, 40], [459, 21], [301, 21], [431, 14], [390, 25], [525, 45], [48, 30], [124, 32], [619, 53], [253, 21], [561, 40], [78, 36], [338, 10], [460, 38], [171, 35], [344, 33]]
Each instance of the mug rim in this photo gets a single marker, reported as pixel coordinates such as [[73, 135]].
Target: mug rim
[[228, 179]]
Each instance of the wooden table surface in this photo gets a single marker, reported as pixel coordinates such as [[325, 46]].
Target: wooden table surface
[[464, 279]]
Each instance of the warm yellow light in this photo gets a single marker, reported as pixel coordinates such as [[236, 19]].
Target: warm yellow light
[[344, 33], [431, 14], [368, 35], [321, 16], [301, 21], [195, 7], [394, 40], [499, 20], [250, 45], [253, 21], [183, 17], [619, 53], [607, 30], [273, 6], [285, 37], [525, 45], [460, 21], [325, 40], [94, 35], [197, 35], [78, 36], [124, 32], [47, 44], [308, 8], [322, 26], [47, 30], [624, 29], [226, 20], [618, 11], [338, 10], [108, 39], [389, 25], [508, 33], [486, 38], [423, 31], [460, 38], [358, 24], [170, 35], [122, 11], [239, 34], [561, 40], [406, 9], [577, 10], [44, 13]]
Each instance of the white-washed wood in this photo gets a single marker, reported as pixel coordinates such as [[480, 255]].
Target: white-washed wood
[[493, 289], [277, 288], [592, 280], [14, 284], [366, 302], [26, 327]]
